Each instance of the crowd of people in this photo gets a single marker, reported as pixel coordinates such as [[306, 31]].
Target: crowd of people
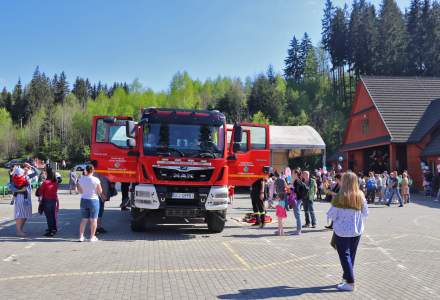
[[295, 190], [95, 190], [298, 189]]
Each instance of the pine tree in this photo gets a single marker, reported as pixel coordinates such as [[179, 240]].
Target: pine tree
[[270, 74], [3, 97], [362, 38], [81, 90], [415, 39], [7, 100], [392, 40], [17, 104], [426, 42], [338, 38], [433, 42], [304, 48], [61, 88], [311, 65], [326, 24], [292, 62]]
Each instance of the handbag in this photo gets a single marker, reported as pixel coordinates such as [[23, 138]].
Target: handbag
[[40, 207], [291, 200], [333, 241]]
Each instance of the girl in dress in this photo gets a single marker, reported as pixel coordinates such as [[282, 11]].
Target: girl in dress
[[405, 187], [281, 215]]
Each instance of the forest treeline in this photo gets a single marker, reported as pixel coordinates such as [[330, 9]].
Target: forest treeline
[[50, 117]]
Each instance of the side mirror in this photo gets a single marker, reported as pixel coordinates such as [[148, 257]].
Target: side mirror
[[238, 133], [131, 143], [130, 127], [236, 147]]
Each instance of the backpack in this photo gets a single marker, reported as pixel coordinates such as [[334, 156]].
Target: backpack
[[291, 201], [280, 185], [371, 184]]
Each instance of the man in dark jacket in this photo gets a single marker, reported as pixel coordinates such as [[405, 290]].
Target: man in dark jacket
[[257, 197], [300, 190]]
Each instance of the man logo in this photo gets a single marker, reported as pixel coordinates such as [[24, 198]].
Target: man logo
[[117, 165]]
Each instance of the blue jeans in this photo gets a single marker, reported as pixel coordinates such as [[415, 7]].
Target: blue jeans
[[391, 195], [49, 208], [297, 214], [89, 208], [347, 247], [101, 208], [309, 212]]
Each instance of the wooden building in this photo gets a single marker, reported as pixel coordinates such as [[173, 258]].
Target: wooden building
[[394, 125]]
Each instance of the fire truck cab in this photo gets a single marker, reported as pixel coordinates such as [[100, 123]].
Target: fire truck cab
[[180, 162]]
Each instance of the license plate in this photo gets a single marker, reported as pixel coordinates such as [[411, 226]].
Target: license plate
[[182, 195]]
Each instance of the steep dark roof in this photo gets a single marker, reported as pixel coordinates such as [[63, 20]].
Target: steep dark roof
[[433, 148], [401, 101], [429, 120]]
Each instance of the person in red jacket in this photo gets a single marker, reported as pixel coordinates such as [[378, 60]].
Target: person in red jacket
[[48, 195]]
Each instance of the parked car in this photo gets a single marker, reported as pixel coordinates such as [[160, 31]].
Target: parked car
[[80, 167], [18, 161]]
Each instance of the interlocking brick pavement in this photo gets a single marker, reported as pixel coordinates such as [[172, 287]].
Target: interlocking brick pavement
[[398, 258]]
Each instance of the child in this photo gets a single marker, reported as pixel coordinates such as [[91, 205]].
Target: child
[[231, 194], [20, 183], [281, 214]]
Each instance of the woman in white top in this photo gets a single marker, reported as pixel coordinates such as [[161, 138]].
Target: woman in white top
[[90, 188], [348, 209]]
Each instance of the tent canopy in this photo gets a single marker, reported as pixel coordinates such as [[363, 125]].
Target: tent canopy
[[295, 137]]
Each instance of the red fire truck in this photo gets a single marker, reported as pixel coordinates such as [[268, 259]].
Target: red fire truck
[[180, 162]]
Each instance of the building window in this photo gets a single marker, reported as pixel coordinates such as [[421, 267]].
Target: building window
[[365, 127]]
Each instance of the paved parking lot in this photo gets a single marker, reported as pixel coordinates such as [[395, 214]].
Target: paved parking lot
[[398, 258]]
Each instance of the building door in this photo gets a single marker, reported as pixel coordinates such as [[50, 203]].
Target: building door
[[401, 159], [376, 159]]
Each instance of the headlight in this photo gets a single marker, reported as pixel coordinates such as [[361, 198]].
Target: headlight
[[143, 194]]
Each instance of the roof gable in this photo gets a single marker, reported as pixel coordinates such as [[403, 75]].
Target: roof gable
[[427, 122], [401, 101]]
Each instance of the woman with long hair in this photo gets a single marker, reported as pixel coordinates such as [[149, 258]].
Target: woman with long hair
[[48, 195], [348, 209]]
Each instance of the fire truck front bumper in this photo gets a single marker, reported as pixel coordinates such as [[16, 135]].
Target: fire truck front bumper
[[148, 196]]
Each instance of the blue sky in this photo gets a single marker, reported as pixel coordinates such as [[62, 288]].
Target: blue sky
[[152, 40]]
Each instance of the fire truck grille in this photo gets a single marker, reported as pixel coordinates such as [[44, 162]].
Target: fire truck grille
[[183, 212], [176, 175]]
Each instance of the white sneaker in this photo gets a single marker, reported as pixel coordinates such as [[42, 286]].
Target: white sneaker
[[81, 239], [94, 239], [345, 287]]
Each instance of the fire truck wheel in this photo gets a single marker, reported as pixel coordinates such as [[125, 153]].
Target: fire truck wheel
[[138, 220], [137, 226], [216, 221]]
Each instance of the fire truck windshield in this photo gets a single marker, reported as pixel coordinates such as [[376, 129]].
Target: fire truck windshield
[[183, 140]]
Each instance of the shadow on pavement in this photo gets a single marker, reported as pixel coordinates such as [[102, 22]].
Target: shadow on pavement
[[278, 291], [116, 222], [426, 201]]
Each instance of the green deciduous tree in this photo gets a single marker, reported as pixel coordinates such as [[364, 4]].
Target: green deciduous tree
[[233, 103], [265, 97], [259, 118]]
